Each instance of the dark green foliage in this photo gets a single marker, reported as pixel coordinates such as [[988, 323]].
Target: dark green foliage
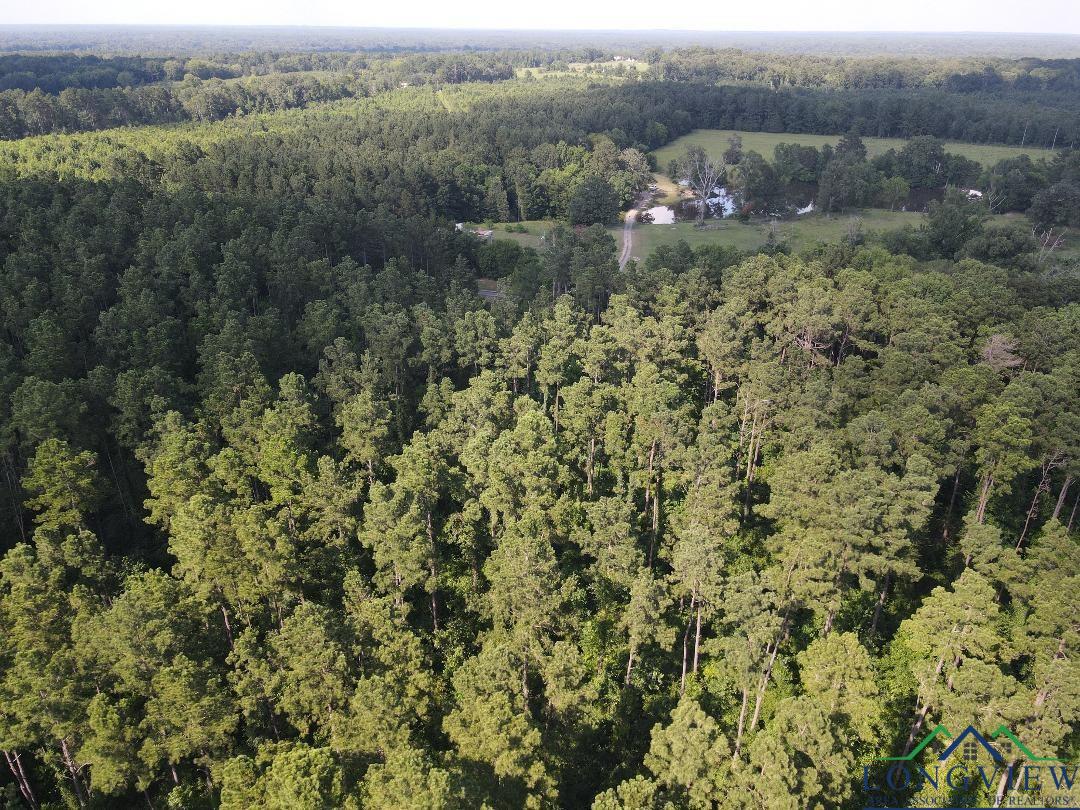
[[1057, 205], [294, 518], [593, 202]]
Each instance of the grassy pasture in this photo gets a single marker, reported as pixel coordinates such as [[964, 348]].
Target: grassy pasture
[[536, 228], [799, 233], [715, 142]]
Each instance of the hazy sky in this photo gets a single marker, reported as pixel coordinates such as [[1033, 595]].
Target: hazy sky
[[1051, 16]]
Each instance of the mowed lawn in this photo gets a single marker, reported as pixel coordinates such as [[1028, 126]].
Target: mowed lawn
[[799, 233], [535, 229], [747, 236], [715, 142]]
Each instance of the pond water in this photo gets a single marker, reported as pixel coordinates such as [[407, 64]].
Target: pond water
[[659, 215]]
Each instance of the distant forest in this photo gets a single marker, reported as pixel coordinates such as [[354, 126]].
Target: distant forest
[[135, 39]]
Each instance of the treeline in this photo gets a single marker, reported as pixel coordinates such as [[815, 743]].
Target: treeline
[[843, 177], [53, 73], [494, 120], [204, 95], [761, 93], [26, 114], [471, 154], [981, 75]]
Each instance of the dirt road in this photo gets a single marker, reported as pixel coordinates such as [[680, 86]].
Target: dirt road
[[627, 237]]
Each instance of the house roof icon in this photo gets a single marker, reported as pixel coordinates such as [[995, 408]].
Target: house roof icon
[[963, 735]]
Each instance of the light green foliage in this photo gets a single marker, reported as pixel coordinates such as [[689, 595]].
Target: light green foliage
[[64, 485], [689, 755], [838, 677], [290, 776], [407, 779], [399, 525], [303, 778], [489, 725], [365, 430]]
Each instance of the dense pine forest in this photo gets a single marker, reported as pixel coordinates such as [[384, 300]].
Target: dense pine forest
[[294, 518]]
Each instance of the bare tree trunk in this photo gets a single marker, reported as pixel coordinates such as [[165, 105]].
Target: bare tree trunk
[[129, 514], [73, 771], [697, 638], [921, 716], [1072, 514], [984, 498], [767, 674], [589, 463], [273, 721], [1003, 784], [919, 719], [685, 646], [25, 790], [880, 603], [1043, 486], [742, 437], [1061, 496], [629, 665], [952, 503], [228, 627], [434, 602], [742, 720], [655, 539], [12, 482], [432, 567], [751, 463]]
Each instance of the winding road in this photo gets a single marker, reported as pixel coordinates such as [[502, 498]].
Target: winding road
[[627, 237]]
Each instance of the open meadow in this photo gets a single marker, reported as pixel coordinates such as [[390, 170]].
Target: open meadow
[[715, 141], [749, 236], [797, 234], [745, 236]]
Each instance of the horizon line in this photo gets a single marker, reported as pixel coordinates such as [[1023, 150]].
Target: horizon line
[[498, 29]]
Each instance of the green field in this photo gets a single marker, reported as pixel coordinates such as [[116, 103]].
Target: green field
[[631, 66], [715, 141], [799, 233], [535, 228]]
